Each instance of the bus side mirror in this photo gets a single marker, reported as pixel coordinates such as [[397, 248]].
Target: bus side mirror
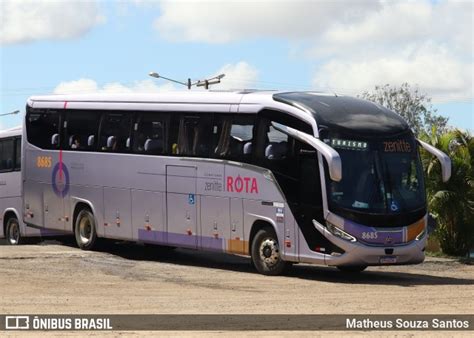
[[442, 158], [331, 156], [55, 139]]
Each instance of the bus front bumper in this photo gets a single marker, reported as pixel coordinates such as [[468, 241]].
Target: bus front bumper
[[359, 254]]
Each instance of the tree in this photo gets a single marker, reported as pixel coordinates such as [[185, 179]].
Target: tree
[[452, 202], [413, 106]]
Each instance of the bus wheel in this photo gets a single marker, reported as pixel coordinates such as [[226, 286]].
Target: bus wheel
[[85, 230], [352, 269], [13, 231], [266, 255]]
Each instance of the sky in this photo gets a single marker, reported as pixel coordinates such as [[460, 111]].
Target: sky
[[346, 47]]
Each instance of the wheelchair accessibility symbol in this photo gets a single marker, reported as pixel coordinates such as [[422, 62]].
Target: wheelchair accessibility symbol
[[394, 206], [191, 199]]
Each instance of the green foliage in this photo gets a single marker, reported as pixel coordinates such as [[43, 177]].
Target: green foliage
[[452, 202], [414, 107]]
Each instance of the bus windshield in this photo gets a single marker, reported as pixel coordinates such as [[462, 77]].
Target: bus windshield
[[379, 177]]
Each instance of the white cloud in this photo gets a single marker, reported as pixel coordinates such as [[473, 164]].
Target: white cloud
[[424, 44], [225, 21], [354, 45], [86, 86], [237, 76], [434, 70], [30, 20]]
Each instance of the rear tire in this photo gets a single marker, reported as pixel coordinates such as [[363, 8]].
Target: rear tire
[[12, 232], [266, 254], [85, 230], [352, 269]]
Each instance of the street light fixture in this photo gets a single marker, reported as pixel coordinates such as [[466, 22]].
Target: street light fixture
[[12, 113], [158, 76], [201, 83]]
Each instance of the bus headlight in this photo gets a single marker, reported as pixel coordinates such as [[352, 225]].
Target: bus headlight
[[340, 233], [421, 234]]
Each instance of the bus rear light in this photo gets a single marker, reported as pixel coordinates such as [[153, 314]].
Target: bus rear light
[[216, 235], [319, 249], [147, 227], [288, 243], [189, 232]]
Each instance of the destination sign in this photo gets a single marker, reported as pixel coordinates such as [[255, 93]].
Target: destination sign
[[397, 146], [392, 146], [349, 144]]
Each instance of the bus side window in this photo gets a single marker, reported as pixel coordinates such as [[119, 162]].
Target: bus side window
[[149, 134], [81, 131], [115, 132], [276, 146], [43, 127], [233, 137], [194, 135], [6, 155]]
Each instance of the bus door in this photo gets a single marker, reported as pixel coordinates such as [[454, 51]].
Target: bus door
[[181, 205]]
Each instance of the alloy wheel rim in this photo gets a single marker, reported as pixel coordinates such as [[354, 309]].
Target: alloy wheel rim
[[14, 233], [269, 252]]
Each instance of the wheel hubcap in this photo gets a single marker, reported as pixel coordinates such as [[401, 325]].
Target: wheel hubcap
[[85, 230], [269, 252], [14, 233]]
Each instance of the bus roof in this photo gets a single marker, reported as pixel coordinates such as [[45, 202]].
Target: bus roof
[[15, 131], [347, 114], [339, 112], [229, 97]]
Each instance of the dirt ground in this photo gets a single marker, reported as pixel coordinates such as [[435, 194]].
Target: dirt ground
[[131, 279]]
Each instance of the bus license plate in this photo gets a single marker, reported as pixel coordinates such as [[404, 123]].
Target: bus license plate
[[388, 260]]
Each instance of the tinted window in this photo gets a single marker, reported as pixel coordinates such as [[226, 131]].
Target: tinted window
[[43, 129], [81, 130], [6, 155], [18, 153], [115, 132], [149, 134], [233, 137], [194, 136], [289, 160]]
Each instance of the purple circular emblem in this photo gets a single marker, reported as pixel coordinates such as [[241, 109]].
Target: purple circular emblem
[[60, 180]]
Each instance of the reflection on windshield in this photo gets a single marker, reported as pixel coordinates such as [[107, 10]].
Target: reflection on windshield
[[377, 181]]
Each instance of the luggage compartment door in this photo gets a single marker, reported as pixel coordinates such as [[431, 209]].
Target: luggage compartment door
[[181, 205]]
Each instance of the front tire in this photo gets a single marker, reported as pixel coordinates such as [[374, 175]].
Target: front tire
[[85, 230], [12, 232], [266, 254]]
